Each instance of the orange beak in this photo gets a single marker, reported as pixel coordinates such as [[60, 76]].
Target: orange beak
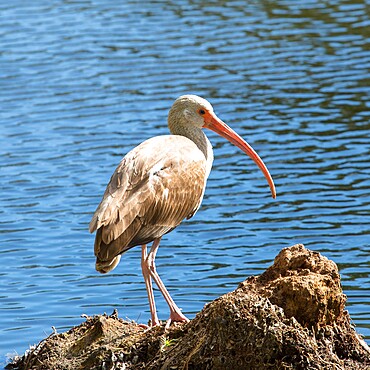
[[212, 122]]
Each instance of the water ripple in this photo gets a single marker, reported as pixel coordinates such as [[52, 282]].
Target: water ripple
[[84, 82]]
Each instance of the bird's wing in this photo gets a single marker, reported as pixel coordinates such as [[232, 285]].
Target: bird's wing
[[158, 183]]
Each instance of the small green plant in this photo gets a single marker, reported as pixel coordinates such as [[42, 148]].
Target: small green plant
[[166, 342]]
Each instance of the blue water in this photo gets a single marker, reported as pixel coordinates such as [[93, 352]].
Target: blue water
[[82, 82]]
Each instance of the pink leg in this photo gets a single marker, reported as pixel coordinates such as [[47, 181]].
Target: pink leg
[[149, 287], [175, 312]]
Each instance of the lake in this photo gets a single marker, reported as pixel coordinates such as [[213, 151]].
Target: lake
[[83, 82]]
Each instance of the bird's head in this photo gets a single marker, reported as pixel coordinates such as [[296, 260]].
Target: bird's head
[[191, 111]]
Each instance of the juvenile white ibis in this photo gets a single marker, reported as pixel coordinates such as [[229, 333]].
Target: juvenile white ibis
[[156, 186]]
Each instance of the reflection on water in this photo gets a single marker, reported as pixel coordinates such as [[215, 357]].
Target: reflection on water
[[83, 82]]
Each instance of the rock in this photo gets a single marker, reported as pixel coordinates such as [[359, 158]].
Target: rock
[[290, 317], [305, 284]]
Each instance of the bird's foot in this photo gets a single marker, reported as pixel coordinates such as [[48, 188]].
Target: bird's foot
[[175, 317], [151, 324]]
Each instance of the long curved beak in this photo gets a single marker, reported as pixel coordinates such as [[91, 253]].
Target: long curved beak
[[212, 122]]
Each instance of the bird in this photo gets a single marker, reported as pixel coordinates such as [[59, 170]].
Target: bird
[[156, 186]]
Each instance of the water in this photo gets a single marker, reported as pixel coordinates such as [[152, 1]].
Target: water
[[82, 82]]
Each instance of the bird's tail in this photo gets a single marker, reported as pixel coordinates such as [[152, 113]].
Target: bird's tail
[[105, 266]]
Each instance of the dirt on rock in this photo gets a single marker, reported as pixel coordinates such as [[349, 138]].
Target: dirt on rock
[[290, 317]]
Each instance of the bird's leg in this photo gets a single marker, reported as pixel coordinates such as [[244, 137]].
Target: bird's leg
[[149, 286], [175, 312]]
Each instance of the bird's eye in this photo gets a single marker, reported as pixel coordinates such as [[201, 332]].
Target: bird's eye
[[202, 112]]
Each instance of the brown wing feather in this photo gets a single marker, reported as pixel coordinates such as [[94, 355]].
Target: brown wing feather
[[156, 186]]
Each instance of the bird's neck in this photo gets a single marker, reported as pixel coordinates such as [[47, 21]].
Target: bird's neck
[[199, 138]]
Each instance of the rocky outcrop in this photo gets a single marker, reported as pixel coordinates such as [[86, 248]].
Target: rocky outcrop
[[290, 317]]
